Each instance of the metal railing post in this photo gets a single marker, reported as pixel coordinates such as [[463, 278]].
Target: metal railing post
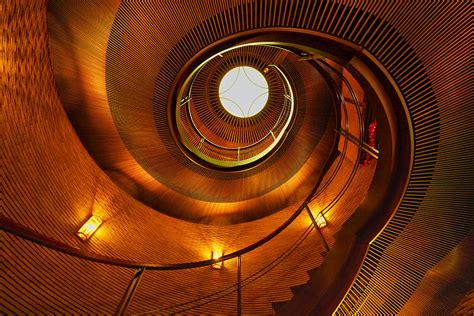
[[239, 287], [128, 296], [326, 246]]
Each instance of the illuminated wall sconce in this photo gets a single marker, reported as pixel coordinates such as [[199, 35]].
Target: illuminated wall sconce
[[216, 255], [89, 227], [321, 221]]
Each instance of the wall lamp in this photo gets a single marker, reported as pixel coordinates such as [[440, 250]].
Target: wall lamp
[[321, 220], [216, 255], [89, 227]]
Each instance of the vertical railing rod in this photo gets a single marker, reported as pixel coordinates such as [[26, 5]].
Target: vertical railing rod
[[326, 246], [128, 296], [239, 286]]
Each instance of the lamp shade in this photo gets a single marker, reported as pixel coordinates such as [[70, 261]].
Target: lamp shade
[[321, 221], [216, 254], [89, 227]]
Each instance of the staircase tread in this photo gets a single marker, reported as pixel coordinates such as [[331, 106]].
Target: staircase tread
[[298, 289], [279, 305]]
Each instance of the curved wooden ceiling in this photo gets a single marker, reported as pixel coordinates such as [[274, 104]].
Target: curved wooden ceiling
[[50, 176], [135, 144]]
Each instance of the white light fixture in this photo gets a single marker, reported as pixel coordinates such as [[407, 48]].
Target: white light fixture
[[321, 220], [216, 254], [89, 227]]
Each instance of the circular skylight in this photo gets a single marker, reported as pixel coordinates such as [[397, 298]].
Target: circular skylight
[[243, 91]]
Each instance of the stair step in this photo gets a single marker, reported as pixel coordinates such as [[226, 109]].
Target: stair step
[[312, 272], [277, 306], [299, 289]]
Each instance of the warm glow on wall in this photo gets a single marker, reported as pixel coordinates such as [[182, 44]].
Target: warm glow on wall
[[321, 221], [216, 254], [89, 228]]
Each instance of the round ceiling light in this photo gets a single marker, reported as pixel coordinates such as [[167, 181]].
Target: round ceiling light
[[243, 91]]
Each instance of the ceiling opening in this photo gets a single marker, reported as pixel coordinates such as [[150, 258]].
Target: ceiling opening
[[243, 91]]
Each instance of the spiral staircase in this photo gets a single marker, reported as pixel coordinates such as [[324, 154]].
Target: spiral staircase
[[349, 192]]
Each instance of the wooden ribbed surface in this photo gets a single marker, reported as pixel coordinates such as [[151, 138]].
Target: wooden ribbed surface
[[465, 305], [164, 184], [49, 178], [37, 281], [447, 276], [436, 210], [139, 90], [208, 130], [51, 185], [209, 115], [257, 292]]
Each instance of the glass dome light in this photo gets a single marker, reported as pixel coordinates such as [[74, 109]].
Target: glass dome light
[[243, 91]]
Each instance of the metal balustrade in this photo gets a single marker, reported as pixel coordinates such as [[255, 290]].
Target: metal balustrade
[[226, 156]]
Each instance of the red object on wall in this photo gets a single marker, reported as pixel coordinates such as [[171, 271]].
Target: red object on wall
[[371, 142]]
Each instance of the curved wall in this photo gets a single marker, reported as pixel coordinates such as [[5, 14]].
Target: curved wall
[[51, 186], [49, 178]]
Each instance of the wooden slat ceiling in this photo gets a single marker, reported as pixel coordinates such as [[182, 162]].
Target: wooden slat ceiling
[[50, 178], [124, 121]]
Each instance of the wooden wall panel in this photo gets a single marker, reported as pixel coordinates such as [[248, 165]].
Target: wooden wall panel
[[36, 280], [436, 212], [465, 305], [444, 286], [49, 182], [51, 185]]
